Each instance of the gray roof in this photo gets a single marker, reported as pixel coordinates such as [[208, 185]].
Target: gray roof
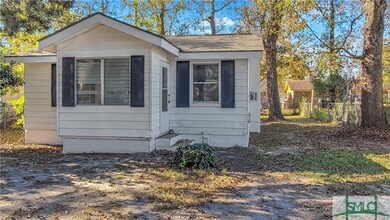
[[217, 43], [192, 43], [32, 53]]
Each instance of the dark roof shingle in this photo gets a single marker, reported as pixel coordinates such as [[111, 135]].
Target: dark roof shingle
[[217, 43]]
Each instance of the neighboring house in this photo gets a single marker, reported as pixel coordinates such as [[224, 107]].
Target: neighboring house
[[101, 85], [264, 94], [295, 90]]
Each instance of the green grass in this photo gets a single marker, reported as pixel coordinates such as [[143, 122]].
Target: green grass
[[343, 166], [344, 162]]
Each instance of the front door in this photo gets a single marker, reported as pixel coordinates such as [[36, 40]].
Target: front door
[[164, 94]]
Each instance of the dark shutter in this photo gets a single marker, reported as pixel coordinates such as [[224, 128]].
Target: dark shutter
[[68, 85], [53, 85], [227, 84], [137, 81], [182, 84]]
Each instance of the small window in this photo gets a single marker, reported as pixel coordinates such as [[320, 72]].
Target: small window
[[164, 88], [205, 82], [88, 79]]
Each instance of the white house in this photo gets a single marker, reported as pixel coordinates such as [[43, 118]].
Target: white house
[[101, 85]]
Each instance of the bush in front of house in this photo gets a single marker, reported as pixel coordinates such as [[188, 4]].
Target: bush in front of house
[[197, 156]]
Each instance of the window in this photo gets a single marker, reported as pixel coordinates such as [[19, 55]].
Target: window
[[205, 82], [88, 81], [90, 77], [164, 88], [116, 81]]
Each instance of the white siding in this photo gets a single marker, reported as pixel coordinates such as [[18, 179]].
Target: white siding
[[105, 121], [221, 126], [106, 145], [158, 56], [254, 86], [40, 117]]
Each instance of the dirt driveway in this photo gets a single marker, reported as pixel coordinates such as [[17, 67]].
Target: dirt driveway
[[268, 180]]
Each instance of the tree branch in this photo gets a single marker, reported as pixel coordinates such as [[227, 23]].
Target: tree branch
[[351, 29], [224, 6], [351, 55]]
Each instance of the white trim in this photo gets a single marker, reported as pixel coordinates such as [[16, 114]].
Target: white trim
[[37, 59], [102, 75], [74, 30], [167, 113], [204, 103], [221, 55]]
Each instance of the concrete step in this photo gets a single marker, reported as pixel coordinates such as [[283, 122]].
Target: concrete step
[[179, 143], [166, 141]]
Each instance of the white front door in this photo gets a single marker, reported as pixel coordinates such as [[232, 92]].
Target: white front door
[[164, 100]]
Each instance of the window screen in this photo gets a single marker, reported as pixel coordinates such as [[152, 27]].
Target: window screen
[[116, 81], [88, 74], [205, 82]]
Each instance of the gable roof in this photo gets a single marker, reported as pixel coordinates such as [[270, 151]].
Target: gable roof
[[218, 43], [235, 45], [46, 43], [300, 85]]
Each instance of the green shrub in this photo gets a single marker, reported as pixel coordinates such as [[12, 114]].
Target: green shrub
[[18, 107], [197, 156], [295, 107], [321, 115]]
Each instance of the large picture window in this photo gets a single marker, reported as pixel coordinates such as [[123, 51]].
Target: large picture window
[[113, 79], [205, 82]]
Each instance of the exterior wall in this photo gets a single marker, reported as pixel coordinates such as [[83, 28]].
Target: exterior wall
[[294, 97], [254, 106], [101, 120], [158, 56], [40, 118], [93, 128], [106, 145], [224, 127]]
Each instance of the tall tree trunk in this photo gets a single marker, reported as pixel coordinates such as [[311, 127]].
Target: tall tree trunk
[[102, 7], [270, 41], [275, 112], [211, 19], [162, 18], [372, 108], [332, 24]]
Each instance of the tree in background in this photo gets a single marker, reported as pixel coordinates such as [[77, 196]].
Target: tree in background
[[158, 16], [278, 23], [328, 48], [31, 16], [206, 13], [386, 62]]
